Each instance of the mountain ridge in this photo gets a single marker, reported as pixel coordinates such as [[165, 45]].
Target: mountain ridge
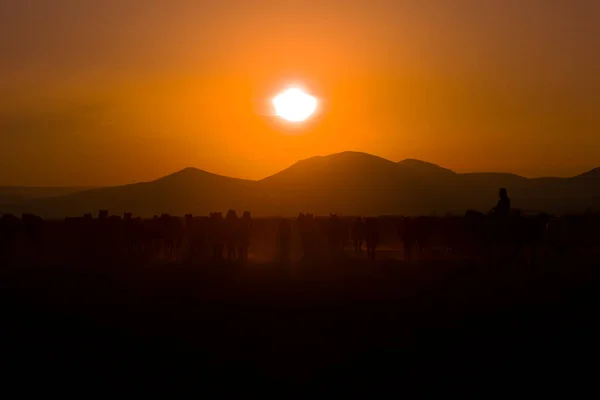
[[347, 183]]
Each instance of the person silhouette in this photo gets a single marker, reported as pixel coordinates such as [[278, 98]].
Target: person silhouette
[[502, 209], [285, 240]]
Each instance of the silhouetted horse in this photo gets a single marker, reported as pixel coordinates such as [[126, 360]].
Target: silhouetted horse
[[133, 236], [197, 232], [408, 234], [499, 236], [335, 235], [455, 235], [232, 234], [308, 235], [357, 234], [244, 231], [285, 240], [532, 235], [170, 231], [415, 231], [218, 233], [150, 238], [188, 232], [371, 236]]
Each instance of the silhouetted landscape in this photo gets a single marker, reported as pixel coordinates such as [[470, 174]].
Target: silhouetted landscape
[[348, 183], [299, 199], [312, 303]]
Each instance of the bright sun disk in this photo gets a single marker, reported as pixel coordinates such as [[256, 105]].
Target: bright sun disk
[[294, 105]]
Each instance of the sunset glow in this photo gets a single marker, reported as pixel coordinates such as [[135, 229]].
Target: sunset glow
[[294, 105], [506, 86]]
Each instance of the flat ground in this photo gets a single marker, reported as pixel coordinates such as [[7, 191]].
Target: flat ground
[[368, 328]]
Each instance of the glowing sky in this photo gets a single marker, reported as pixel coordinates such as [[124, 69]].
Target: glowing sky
[[111, 91]]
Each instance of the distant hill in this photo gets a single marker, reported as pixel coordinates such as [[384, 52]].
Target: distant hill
[[22, 194], [425, 168], [347, 183], [187, 191]]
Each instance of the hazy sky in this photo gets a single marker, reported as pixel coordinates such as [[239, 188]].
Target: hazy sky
[[100, 92]]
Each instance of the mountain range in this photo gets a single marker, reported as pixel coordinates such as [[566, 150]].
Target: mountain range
[[348, 183]]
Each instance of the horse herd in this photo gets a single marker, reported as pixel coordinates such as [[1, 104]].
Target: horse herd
[[218, 237], [473, 235]]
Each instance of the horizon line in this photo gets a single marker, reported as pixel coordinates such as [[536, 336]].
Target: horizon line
[[3, 186]]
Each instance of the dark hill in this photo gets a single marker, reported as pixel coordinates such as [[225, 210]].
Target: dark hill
[[346, 183], [424, 168], [16, 194], [187, 191], [592, 174], [332, 170]]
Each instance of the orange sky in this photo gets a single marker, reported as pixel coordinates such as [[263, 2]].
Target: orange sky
[[102, 93]]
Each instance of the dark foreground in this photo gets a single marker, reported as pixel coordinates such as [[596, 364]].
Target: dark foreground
[[358, 328]]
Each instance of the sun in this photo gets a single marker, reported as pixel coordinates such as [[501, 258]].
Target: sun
[[294, 105]]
